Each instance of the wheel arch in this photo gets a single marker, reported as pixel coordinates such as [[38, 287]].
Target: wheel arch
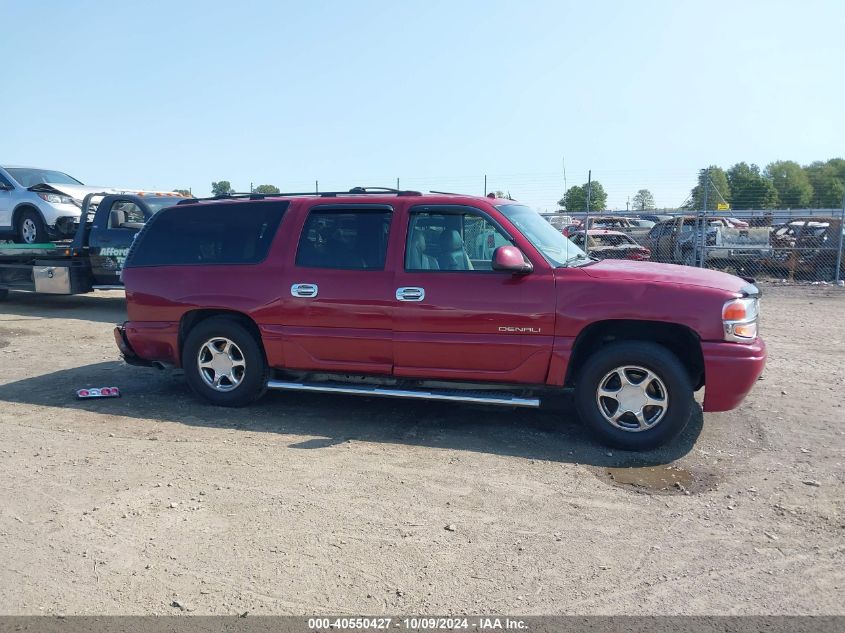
[[192, 318], [25, 206], [681, 340]]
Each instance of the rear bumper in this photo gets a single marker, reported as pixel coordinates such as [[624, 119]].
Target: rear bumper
[[730, 371], [126, 350]]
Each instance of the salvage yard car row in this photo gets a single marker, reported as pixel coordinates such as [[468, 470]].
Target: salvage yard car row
[[801, 248]]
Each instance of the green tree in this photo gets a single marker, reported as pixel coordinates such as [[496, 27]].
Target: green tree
[[718, 189], [791, 182], [828, 181], [575, 198], [222, 188], [749, 189], [267, 189], [184, 192], [643, 200]]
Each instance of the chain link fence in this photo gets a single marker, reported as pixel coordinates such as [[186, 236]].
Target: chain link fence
[[793, 246]]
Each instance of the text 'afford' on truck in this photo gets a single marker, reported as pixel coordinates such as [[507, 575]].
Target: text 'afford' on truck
[[441, 297]]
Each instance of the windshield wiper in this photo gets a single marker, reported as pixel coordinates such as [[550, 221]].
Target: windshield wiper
[[574, 258]]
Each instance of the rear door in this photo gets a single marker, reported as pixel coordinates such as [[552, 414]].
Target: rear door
[[115, 227], [458, 319], [338, 298]]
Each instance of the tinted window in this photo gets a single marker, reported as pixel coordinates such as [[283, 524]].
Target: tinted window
[[353, 240], [217, 233]]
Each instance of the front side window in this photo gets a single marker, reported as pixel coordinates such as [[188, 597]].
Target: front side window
[[346, 240], [454, 240], [125, 214]]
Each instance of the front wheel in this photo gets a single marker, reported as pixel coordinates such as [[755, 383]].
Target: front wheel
[[634, 395], [30, 228], [224, 363]]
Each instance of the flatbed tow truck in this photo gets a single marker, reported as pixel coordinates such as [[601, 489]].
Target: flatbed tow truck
[[93, 259]]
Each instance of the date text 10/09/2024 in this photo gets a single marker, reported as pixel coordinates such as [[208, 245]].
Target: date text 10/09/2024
[[417, 623]]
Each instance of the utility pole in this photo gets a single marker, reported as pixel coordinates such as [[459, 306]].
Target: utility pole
[[838, 275], [703, 236], [251, 190], [317, 186], [397, 184], [485, 184], [587, 214]]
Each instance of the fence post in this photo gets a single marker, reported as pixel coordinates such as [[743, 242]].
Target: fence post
[[837, 273], [703, 238], [587, 213]]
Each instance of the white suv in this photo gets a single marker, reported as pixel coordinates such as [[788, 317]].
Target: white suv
[[38, 205]]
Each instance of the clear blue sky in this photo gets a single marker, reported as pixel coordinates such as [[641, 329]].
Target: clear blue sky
[[166, 94]]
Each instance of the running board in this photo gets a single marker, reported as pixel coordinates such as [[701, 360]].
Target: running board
[[456, 395]]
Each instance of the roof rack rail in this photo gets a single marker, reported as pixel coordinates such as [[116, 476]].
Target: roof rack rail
[[356, 191]]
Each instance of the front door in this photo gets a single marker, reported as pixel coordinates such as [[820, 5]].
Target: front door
[[112, 236], [456, 318], [338, 297]]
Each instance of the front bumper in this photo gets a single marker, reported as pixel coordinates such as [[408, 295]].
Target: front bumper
[[730, 371], [126, 350]]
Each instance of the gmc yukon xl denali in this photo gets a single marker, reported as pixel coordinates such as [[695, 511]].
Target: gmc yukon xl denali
[[442, 297]]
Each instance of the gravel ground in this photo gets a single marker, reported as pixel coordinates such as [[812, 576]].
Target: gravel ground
[[302, 504]]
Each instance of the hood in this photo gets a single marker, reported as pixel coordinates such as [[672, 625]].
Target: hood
[[651, 272], [77, 192]]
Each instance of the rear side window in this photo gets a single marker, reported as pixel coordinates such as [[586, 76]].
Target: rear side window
[[350, 240], [219, 233]]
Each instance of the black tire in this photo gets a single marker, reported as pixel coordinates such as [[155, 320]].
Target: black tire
[[30, 228], [253, 379], [650, 356], [4, 294]]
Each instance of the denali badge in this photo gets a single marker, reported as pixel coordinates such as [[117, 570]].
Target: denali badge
[[510, 328]]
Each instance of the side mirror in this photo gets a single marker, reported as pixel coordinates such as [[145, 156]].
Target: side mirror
[[511, 259]]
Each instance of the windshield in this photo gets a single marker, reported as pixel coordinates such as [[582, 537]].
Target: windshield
[[557, 249], [31, 177]]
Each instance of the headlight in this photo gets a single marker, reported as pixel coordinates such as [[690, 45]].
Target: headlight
[[55, 198], [739, 317]]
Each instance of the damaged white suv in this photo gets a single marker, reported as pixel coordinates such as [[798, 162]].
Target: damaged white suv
[[39, 205]]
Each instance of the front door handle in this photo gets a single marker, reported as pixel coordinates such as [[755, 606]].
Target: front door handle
[[306, 291], [410, 294]]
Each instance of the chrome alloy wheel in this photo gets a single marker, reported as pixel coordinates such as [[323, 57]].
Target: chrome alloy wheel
[[221, 364], [29, 231], [632, 398]]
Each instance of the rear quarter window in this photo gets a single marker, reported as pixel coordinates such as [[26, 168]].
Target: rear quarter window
[[217, 233]]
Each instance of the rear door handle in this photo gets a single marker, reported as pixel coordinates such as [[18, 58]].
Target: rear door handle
[[306, 291], [410, 294]]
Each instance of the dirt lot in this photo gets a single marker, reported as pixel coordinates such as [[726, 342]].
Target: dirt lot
[[314, 504]]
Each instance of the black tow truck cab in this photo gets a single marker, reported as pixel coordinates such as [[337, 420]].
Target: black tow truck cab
[[93, 259]]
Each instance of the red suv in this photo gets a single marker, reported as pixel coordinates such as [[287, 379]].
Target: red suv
[[440, 297]]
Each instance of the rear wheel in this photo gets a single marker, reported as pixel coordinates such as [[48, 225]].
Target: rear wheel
[[30, 228], [4, 294], [634, 395], [224, 363]]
